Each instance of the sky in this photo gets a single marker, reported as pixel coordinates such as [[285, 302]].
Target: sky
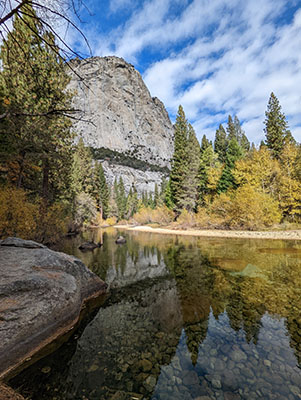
[[214, 57]]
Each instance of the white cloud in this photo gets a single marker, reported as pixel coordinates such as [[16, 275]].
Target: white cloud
[[119, 5], [254, 61], [215, 57]]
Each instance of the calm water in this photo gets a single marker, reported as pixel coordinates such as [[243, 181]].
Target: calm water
[[187, 318]]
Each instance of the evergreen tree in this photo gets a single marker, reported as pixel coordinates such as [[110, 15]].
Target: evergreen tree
[[113, 209], [189, 193], [244, 143], [231, 129], [151, 202], [34, 81], [168, 199], [220, 143], [100, 189], [241, 136], [156, 196], [204, 144], [276, 127], [227, 179], [82, 174], [179, 161], [132, 202], [143, 198], [129, 208], [209, 159], [120, 198]]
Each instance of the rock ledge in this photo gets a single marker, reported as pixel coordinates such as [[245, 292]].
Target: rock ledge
[[41, 295]]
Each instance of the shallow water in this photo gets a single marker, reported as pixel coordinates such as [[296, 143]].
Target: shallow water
[[187, 318]]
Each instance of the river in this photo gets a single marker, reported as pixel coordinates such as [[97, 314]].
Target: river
[[187, 318]]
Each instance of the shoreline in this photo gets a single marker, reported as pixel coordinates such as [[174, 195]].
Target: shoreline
[[275, 235]]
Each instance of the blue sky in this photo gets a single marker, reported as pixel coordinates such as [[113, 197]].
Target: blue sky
[[215, 57]]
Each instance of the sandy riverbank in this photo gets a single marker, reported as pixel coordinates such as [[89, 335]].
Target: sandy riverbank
[[282, 235]]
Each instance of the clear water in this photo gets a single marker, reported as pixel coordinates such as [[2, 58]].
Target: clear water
[[187, 318]]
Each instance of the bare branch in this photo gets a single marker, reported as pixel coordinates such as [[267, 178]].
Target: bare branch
[[13, 11], [63, 112]]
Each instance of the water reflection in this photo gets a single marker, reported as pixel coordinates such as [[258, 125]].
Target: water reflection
[[188, 318]]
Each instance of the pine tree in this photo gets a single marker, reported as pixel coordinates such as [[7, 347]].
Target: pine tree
[[132, 202], [82, 174], [231, 129], [241, 136], [220, 143], [204, 143], [227, 180], [189, 194], [150, 202], [113, 209], [156, 196], [276, 127], [244, 143], [100, 189], [34, 82], [120, 198], [179, 161], [208, 160], [168, 199], [129, 208]]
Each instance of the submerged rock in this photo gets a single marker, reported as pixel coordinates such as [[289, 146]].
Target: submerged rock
[[120, 240], [42, 293], [89, 246]]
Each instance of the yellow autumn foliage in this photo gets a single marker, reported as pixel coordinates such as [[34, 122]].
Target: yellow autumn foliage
[[253, 209], [17, 215], [186, 220], [111, 221], [160, 215], [30, 220], [260, 171], [289, 183]]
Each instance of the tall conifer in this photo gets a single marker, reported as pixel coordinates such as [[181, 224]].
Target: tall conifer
[[34, 82], [220, 143], [179, 161], [100, 189], [227, 180], [231, 129], [189, 193], [276, 127]]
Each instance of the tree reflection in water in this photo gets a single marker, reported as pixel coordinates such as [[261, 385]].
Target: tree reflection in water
[[187, 317]]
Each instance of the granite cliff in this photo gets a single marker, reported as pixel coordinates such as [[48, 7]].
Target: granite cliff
[[127, 128]]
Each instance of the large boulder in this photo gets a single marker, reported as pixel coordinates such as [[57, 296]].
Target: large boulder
[[41, 295]]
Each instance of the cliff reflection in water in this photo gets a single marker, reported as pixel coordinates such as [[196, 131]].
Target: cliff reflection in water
[[187, 317]]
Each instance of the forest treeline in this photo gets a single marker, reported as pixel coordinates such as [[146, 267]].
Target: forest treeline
[[49, 185], [232, 184]]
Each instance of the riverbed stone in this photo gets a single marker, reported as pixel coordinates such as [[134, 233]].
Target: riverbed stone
[[238, 355], [231, 396], [42, 293], [145, 365], [190, 378]]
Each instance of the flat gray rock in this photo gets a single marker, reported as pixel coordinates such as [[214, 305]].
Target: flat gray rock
[[41, 295]]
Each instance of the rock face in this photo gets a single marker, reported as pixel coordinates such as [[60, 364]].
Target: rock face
[[41, 296], [126, 122], [144, 181]]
